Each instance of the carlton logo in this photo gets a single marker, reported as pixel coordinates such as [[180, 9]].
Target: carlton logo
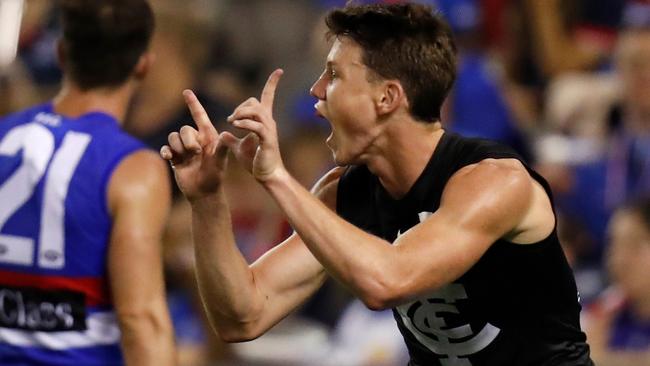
[[424, 319]]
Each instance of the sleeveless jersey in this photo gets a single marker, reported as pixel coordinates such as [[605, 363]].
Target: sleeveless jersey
[[55, 227], [518, 305]]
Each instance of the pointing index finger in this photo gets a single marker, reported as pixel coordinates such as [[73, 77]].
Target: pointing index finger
[[268, 93], [199, 115]]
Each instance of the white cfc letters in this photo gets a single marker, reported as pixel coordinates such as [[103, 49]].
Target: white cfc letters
[[425, 320]]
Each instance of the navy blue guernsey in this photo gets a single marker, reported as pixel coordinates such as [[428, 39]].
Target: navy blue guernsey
[[517, 306]]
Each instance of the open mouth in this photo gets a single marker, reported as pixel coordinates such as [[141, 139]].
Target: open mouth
[[318, 113]]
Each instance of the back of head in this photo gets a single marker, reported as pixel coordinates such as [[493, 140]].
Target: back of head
[[104, 39], [403, 41]]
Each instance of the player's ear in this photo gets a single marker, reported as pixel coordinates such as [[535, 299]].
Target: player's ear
[[392, 97], [144, 65]]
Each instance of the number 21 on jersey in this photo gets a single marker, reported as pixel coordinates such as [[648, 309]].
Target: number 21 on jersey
[[39, 157]]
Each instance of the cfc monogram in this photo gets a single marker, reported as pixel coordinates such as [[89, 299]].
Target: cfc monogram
[[426, 324], [423, 318]]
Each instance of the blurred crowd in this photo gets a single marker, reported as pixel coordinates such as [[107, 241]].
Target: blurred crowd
[[564, 82]]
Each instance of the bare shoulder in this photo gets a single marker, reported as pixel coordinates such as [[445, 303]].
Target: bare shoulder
[[326, 187], [143, 164], [508, 169], [140, 175], [507, 176], [504, 189]]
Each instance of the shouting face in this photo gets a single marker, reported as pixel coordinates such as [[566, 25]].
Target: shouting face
[[347, 99]]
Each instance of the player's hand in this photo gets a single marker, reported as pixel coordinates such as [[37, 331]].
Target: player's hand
[[259, 150], [198, 156]]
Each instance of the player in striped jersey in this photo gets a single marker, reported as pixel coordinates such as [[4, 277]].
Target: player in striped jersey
[[83, 207]]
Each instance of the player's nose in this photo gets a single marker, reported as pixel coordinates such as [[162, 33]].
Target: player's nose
[[318, 89]]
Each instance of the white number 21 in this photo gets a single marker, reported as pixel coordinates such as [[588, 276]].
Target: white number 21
[[37, 143]]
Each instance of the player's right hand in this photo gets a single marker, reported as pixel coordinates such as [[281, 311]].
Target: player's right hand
[[198, 155]]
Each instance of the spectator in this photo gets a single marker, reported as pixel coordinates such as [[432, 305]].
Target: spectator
[[618, 326]]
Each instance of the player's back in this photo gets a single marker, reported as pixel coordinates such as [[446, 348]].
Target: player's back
[[55, 228]]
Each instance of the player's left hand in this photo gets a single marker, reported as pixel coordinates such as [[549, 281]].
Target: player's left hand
[[259, 151]]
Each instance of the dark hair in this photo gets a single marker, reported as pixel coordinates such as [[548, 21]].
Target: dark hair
[[104, 39], [407, 42]]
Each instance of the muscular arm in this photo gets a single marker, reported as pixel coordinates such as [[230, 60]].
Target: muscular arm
[[139, 200], [436, 252], [244, 301]]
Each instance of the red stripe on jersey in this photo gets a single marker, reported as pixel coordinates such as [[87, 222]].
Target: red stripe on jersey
[[95, 288]]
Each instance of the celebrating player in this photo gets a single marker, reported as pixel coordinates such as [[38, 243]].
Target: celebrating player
[[456, 235]]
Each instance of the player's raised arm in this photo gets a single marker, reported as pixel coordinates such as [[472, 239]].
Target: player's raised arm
[[241, 301]]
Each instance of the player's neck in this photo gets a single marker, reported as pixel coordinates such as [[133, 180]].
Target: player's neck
[[403, 154], [74, 102]]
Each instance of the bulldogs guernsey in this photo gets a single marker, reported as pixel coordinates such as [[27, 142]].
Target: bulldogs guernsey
[[517, 306], [54, 231]]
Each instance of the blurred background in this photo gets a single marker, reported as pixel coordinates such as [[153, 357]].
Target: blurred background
[[565, 82]]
